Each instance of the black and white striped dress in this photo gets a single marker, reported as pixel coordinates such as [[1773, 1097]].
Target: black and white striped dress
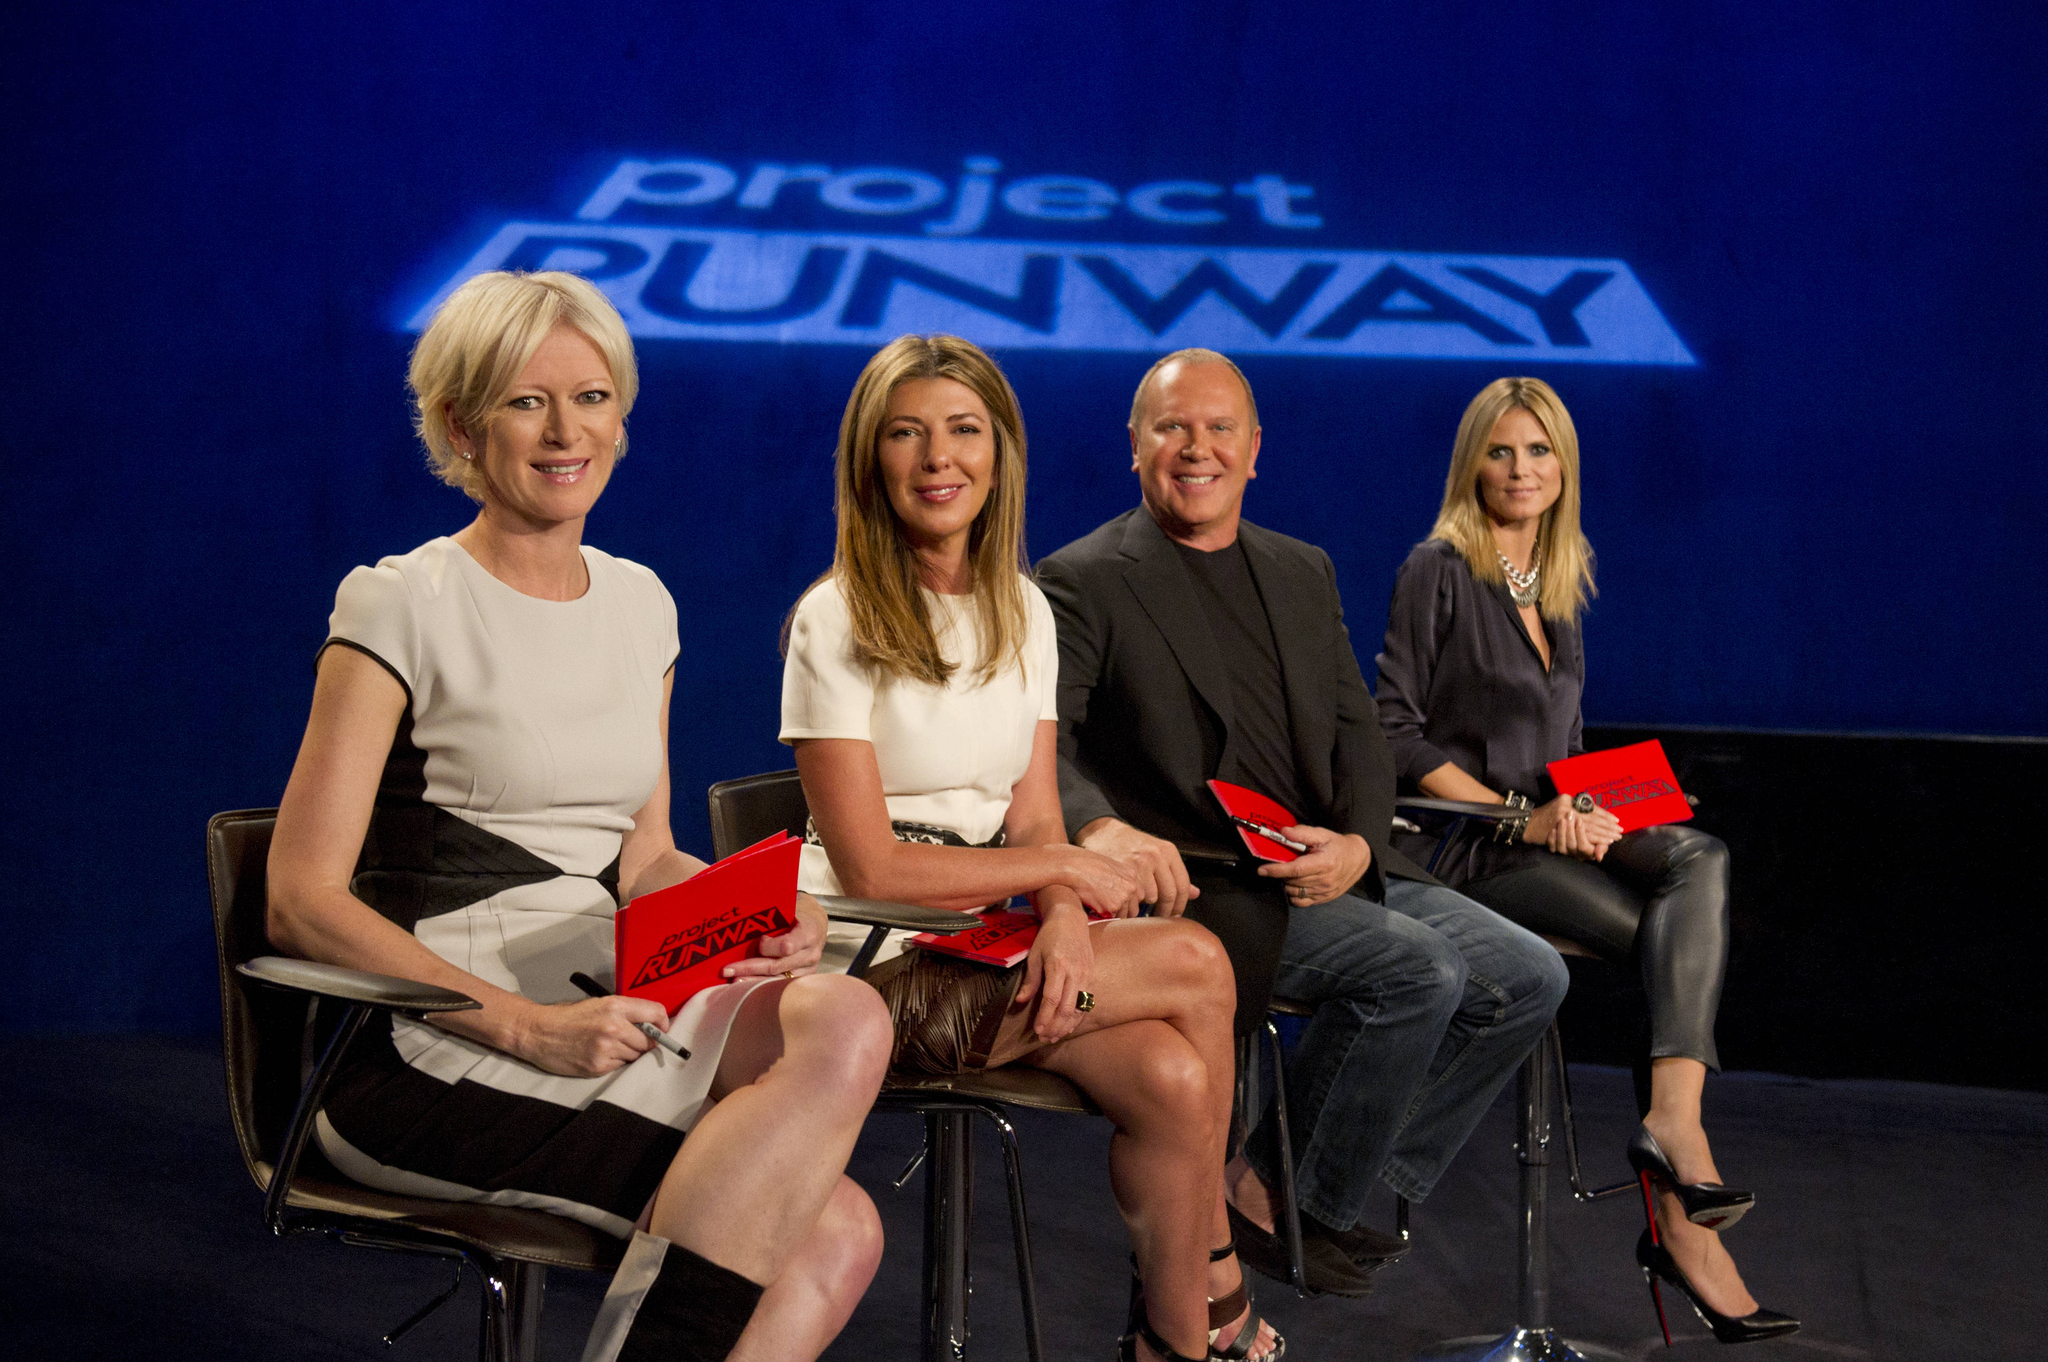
[[531, 736]]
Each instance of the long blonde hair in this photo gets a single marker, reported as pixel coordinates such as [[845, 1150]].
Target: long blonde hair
[[1566, 557], [876, 569]]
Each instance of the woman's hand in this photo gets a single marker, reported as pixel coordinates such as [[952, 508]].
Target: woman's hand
[[1105, 886], [796, 951], [1568, 832], [590, 1038], [1061, 965]]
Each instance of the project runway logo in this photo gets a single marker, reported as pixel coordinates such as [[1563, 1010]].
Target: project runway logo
[[642, 237]]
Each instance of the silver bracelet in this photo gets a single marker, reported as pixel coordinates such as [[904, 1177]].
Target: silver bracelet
[[1509, 830]]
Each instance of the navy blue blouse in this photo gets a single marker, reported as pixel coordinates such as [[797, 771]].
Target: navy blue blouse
[[1461, 682]]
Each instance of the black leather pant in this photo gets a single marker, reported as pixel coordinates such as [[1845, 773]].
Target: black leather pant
[[1661, 894]]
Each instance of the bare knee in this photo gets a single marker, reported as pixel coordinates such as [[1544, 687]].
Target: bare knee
[[1172, 1081], [838, 1030], [850, 1233], [1194, 958]]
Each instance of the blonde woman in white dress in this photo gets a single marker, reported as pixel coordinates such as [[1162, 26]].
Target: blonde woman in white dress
[[489, 742]]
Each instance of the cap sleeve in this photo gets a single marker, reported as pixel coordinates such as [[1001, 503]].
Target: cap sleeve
[[1042, 646], [373, 614], [825, 692]]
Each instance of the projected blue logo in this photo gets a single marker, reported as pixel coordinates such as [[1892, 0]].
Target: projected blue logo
[[734, 283]]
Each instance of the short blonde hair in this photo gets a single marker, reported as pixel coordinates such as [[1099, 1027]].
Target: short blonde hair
[[1192, 355], [1566, 557], [876, 569], [479, 340]]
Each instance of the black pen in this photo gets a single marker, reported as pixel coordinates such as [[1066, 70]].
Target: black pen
[[1270, 834], [652, 1032]]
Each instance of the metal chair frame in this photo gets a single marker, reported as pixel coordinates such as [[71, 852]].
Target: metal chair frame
[[513, 1275], [1532, 1339], [748, 808]]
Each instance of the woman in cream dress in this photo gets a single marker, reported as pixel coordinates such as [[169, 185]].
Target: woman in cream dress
[[488, 745], [918, 694]]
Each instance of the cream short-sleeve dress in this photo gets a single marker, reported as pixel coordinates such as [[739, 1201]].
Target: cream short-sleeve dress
[[530, 738]]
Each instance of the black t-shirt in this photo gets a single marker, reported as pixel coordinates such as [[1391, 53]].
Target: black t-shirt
[[1261, 751]]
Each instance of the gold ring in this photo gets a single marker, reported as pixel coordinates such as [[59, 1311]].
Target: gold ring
[[789, 974], [1084, 1001]]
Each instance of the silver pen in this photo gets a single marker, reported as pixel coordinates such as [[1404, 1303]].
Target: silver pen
[[1269, 833], [648, 1029]]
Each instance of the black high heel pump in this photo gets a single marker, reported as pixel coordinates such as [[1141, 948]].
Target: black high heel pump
[[1759, 1324], [1706, 1203]]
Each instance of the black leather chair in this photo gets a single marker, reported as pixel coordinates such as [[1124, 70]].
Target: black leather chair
[[745, 810], [275, 1015]]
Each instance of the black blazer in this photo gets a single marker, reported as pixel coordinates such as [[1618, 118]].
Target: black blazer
[[1145, 714]]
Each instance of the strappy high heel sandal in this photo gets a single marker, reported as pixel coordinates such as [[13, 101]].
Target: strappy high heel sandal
[[1141, 1327], [1222, 1310], [1708, 1204], [1238, 1301]]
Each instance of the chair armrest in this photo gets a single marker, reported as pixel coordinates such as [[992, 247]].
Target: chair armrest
[[1208, 855], [907, 917], [361, 993], [379, 991], [1492, 813], [879, 916]]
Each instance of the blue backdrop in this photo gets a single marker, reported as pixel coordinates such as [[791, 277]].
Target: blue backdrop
[[1781, 261]]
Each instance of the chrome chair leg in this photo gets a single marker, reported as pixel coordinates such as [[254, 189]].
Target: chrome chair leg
[[1571, 1130], [511, 1308], [1532, 1339], [1290, 1207], [1020, 1231], [418, 1317], [948, 1215]]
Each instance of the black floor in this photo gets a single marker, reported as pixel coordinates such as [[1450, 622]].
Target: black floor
[[1899, 1220]]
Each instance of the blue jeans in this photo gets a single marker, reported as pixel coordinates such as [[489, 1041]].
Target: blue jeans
[[1423, 1008]]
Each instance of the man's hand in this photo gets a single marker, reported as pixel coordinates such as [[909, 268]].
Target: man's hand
[[1333, 863], [1153, 861]]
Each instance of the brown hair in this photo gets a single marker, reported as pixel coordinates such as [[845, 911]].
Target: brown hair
[[876, 569], [1566, 557]]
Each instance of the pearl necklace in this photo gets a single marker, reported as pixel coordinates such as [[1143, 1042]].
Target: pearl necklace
[[1524, 588]]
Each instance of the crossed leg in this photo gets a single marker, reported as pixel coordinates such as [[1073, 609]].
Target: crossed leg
[[1156, 1055]]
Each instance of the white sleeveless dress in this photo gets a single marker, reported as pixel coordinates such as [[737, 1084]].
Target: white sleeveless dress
[[531, 736]]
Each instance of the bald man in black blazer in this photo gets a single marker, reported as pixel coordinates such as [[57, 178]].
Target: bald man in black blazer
[[1196, 645]]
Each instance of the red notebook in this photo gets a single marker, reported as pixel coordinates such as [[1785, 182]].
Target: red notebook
[[1003, 938], [1633, 783], [673, 942], [1253, 807]]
